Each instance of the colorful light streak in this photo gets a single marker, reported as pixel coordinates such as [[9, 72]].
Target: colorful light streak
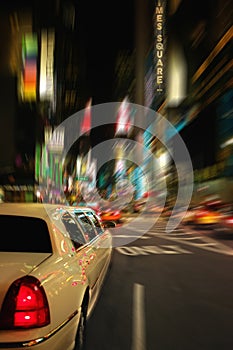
[[29, 57]]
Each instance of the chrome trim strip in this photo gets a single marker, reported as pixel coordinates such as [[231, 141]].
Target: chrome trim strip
[[30, 343]]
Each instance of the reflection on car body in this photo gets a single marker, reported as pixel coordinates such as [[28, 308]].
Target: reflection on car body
[[53, 262]]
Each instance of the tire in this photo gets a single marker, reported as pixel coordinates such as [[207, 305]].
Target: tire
[[80, 342]]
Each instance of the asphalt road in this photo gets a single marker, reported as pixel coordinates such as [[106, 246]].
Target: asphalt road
[[166, 291]]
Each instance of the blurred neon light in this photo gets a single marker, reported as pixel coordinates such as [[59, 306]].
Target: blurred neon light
[[29, 55], [47, 65], [227, 143], [123, 117], [86, 122]]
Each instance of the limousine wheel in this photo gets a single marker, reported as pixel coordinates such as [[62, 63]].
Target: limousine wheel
[[81, 332]]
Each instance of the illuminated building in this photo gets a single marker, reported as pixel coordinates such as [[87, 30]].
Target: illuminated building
[[204, 116], [182, 63], [178, 63]]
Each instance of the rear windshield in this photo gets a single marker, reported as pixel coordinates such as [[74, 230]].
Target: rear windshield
[[24, 234]]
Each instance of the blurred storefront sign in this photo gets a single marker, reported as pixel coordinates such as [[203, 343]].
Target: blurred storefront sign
[[14, 188], [54, 139], [17, 193], [210, 172]]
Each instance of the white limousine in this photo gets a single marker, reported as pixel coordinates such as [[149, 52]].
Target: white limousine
[[53, 261]]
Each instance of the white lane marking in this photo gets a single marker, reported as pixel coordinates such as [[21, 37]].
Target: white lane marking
[[147, 250], [131, 236], [193, 239], [138, 329], [213, 244]]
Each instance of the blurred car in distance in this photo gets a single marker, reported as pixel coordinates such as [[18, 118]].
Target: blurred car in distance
[[53, 262], [202, 215], [225, 224], [206, 216], [109, 214]]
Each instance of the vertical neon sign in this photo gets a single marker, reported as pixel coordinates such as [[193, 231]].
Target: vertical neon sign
[[159, 46]]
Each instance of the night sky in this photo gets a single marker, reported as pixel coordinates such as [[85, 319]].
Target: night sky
[[108, 26]]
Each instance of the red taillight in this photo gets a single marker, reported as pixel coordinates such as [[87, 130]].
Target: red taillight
[[230, 221], [25, 305]]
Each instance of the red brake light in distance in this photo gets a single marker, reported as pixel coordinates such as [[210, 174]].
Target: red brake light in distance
[[25, 305]]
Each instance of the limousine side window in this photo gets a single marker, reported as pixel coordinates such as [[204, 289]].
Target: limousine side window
[[96, 222], [87, 225], [73, 230]]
